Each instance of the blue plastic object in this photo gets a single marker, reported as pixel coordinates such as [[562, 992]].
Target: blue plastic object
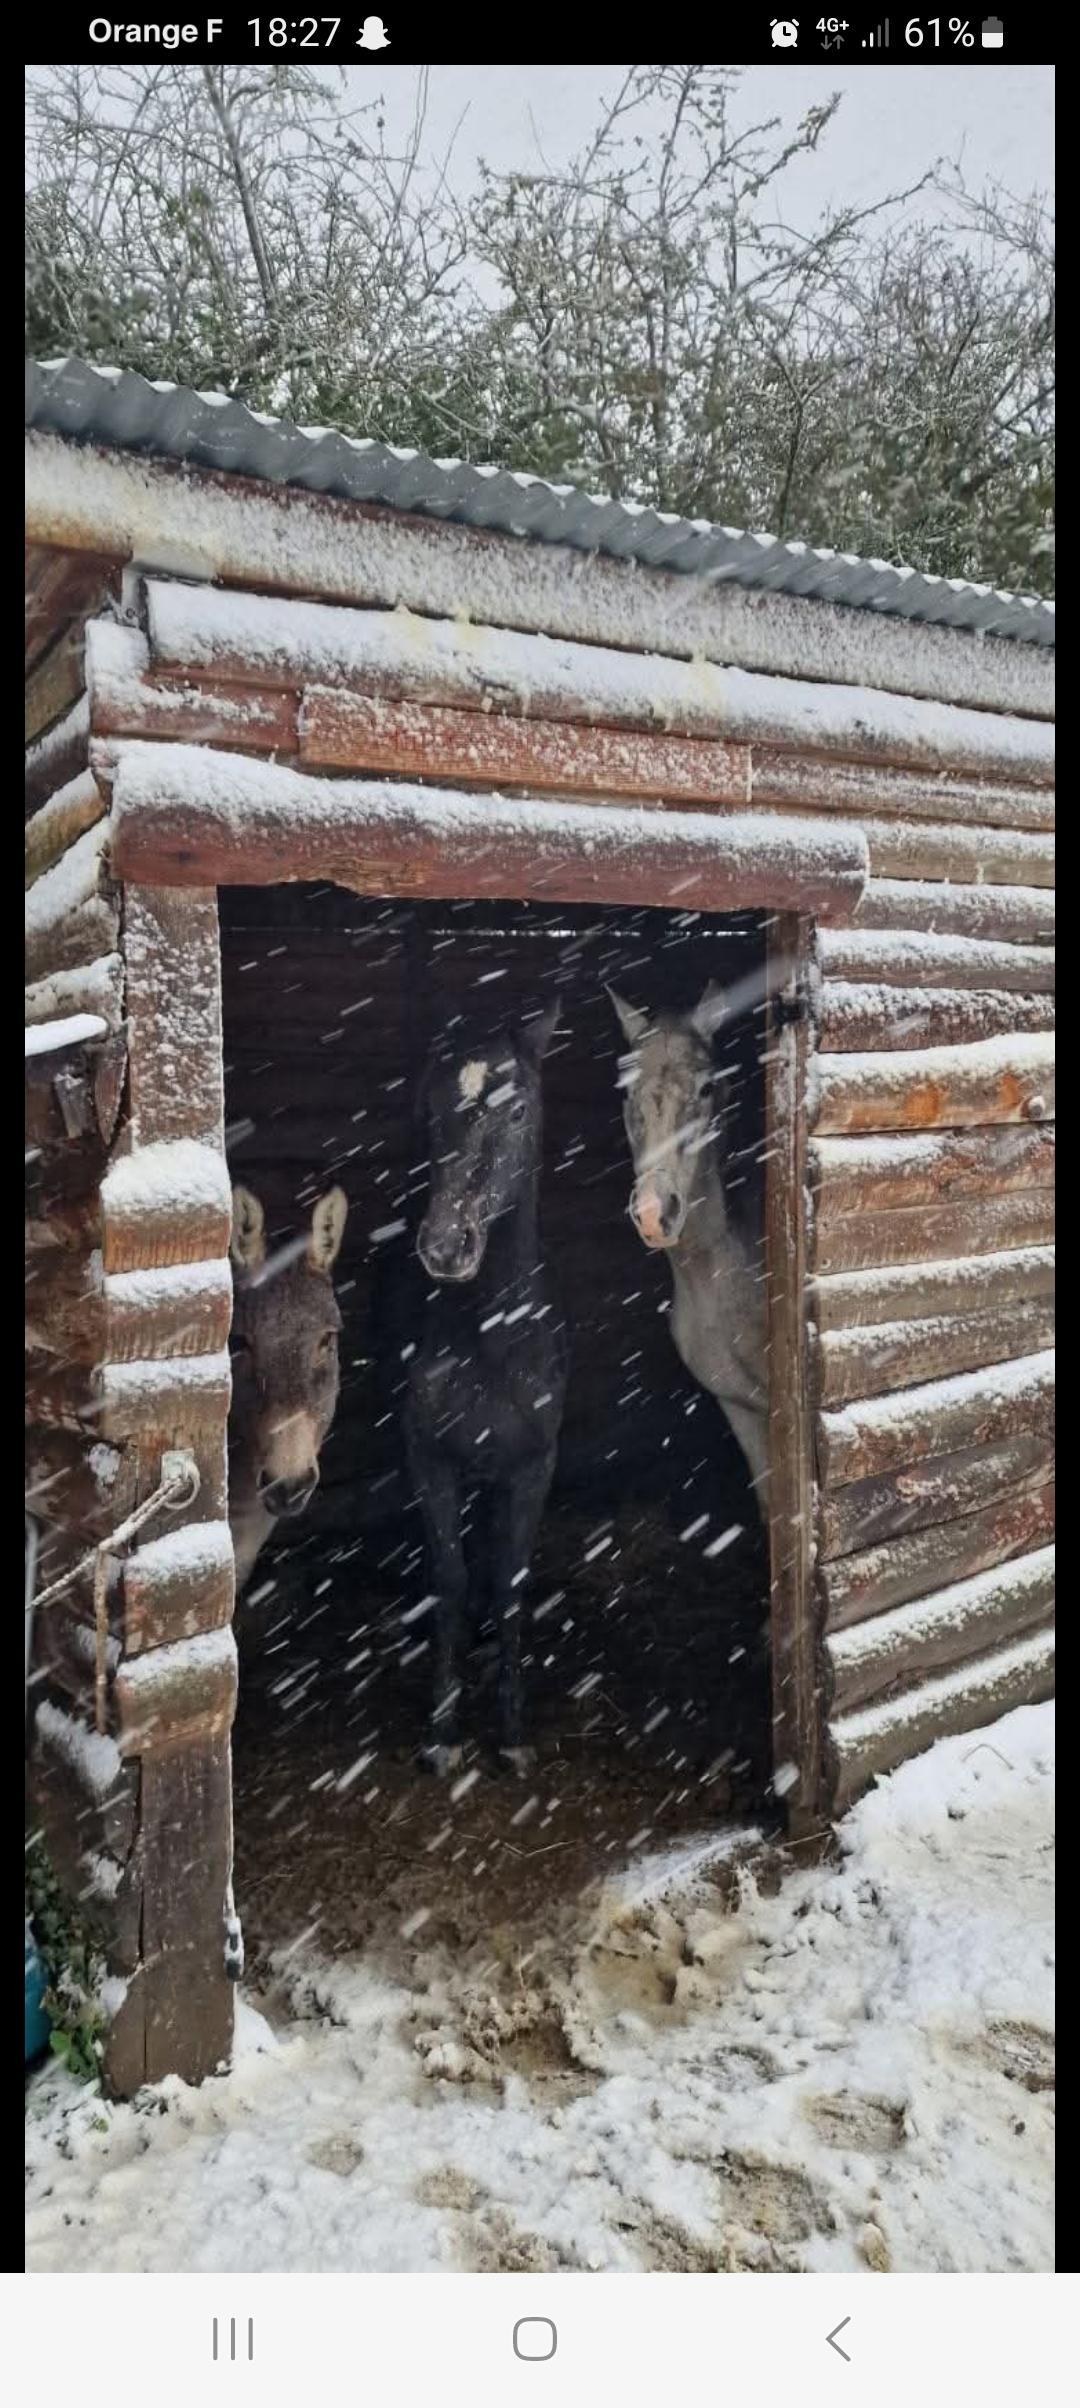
[[35, 1983]]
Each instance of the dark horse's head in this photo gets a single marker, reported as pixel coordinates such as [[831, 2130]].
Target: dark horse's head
[[482, 1104]]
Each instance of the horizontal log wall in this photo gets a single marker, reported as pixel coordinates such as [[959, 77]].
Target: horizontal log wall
[[911, 1035]]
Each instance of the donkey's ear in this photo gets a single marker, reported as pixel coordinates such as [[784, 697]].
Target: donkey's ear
[[536, 1035], [633, 1023], [327, 1229], [247, 1245], [712, 1008]]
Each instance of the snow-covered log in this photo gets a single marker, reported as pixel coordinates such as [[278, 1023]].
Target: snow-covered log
[[903, 957], [178, 1585], [165, 1203], [807, 782], [935, 1232], [907, 1643], [96, 987], [911, 1291], [964, 856], [71, 913], [852, 1363], [68, 812], [167, 1393], [1006, 1078], [1012, 914], [853, 1587], [881, 1735], [881, 1174], [937, 1489], [973, 1408], [402, 657], [187, 816], [57, 756], [125, 699], [173, 1693], [855, 1018]]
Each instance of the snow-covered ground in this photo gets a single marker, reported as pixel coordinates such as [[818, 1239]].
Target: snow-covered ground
[[853, 2073]]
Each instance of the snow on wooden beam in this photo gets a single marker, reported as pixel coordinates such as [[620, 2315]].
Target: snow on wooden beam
[[937, 1490], [168, 1394], [965, 856], [97, 987], [913, 1291], [171, 1694], [172, 960], [355, 731], [1005, 1078], [58, 756], [288, 541], [866, 1174], [73, 808], [58, 1036], [905, 1644], [855, 1587], [902, 957], [1015, 914], [861, 1019], [886, 1734], [855, 1363], [804, 781], [972, 1409], [400, 657], [53, 685], [191, 817], [932, 1233], [183, 1309], [71, 915], [165, 1203], [126, 700], [178, 1585]]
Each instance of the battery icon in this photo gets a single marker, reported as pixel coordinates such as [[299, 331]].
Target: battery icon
[[993, 34]]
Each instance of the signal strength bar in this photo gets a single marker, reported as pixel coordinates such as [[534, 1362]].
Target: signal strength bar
[[878, 39]]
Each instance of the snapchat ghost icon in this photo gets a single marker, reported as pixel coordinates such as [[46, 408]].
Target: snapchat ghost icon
[[374, 36]]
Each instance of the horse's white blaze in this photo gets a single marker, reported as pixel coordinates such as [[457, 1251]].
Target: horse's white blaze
[[471, 1079]]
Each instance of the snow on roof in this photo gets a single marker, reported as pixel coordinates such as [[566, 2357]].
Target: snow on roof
[[113, 407]]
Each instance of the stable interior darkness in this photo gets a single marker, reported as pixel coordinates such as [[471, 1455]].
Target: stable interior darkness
[[647, 1660]]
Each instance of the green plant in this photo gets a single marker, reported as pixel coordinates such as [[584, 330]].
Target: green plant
[[75, 1969]]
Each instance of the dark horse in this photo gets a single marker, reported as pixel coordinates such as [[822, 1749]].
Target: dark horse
[[475, 1341]]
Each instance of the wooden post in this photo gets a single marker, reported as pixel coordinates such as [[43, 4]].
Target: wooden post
[[796, 1680]]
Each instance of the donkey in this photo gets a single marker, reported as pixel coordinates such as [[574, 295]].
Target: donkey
[[677, 1204], [285, 1369], [473, 1329]]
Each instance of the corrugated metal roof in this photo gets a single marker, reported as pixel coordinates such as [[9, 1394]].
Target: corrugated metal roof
[[113, 407]]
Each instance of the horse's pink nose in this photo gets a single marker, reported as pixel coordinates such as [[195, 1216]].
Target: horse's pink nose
[[648, 1213]]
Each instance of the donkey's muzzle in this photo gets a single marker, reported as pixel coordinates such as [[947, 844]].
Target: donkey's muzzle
[[283, 1498]]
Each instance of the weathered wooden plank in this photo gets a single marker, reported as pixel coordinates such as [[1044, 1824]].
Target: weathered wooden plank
[[178, 1585], [999, 856], [172, 957], [1012, 914], [58, 755], [793, 1646], [395, 657], [70, 810], [167, 1696], [906, 1645], [126, 699], [874, 1174], [883, 1735], [170, 1395], [972, 1409], [860, 1019], [59, 588], [165, 1203], [912, 1291], [220, 525], [185, 1829], [206, 820], [854, 1587], [936, 1232], [71, 914], [807, 782], [359, 732], [905, 958], [96, 987], [851, 1363], [184, 1309], [938, 1489], [54, 684], [1007, 1078]]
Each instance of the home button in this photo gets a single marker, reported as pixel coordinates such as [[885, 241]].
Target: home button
[[535, 2337]]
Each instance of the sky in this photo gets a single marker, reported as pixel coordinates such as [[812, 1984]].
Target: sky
[[892, 121]]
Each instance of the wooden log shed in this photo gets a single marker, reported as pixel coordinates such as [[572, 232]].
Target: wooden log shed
[[255, 656]]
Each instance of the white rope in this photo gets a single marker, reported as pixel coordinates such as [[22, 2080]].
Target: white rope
[[181, 1485]]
